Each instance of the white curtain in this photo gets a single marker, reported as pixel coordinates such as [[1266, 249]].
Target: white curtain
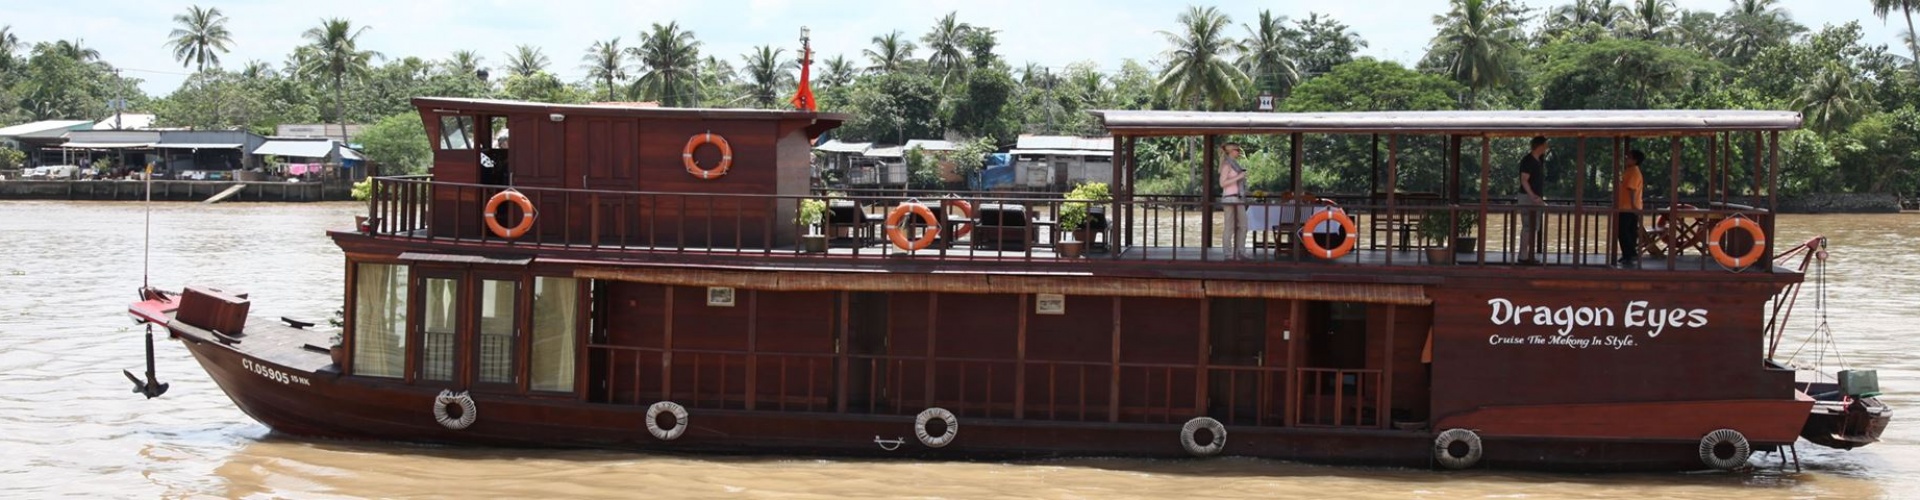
[[380, 320], [498, 302], [554, 302]]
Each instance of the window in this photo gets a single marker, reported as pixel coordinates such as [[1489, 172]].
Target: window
[[555, 301], [498, 332], [438, 308], [456, 132], [380, 320]]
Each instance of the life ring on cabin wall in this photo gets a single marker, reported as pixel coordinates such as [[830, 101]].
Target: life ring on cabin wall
[[1313, 245], [468, 411], [679, 420], [527, 214], [928, 416], [1737, 447], [1753, 254], [1457, 449], [897, 232], [966, 212], [693, 167], [1189, 437]]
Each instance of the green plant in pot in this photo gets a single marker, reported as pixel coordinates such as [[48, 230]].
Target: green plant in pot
[[812, 212], [1074, 214], [1448, 228]]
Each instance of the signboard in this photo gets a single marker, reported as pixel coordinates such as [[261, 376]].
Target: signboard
[[1632, 324], [1267, 101], [1049, 303], [720, 296]]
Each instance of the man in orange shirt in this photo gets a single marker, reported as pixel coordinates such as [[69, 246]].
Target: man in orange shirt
[[1627, 200]]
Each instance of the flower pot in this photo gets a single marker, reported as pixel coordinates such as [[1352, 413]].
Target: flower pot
[[360, 223], [813, 243], [1440, 256], [1071, 249], [339, 354], [1466, 244]]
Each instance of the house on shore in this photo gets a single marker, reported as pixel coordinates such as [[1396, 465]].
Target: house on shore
[[313, 158], [41, 140], [1058, 163], [173, 154]]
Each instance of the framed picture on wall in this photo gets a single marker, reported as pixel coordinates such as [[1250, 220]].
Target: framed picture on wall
[[1049, 303], [719, 296]]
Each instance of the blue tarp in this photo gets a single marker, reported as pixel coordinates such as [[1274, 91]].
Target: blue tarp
[[998, 172]]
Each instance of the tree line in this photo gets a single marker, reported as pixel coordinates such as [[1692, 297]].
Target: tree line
[[1859, 98]]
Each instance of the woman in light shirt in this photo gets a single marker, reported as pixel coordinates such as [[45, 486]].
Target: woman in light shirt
[[1233, 186]]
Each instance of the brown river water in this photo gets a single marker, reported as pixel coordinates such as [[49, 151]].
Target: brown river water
[[69, 427]]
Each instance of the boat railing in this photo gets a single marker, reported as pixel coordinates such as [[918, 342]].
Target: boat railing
[[1340, 398], [1136, 229]]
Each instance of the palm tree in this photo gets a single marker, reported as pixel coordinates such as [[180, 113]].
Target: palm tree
[[981, 41], [670, 56], [1198, 72], [75, 49], [839, 72], [1754, 25], [767, 74], [9, 44], [526, 60], [1476, 42], [1832, 99], [464, 63], [605, 62], [1653, 19], [1267, 54], [889, 52], [947, 42], [256, 69], [1698, 30], [1884, 7], [335, 53], [1604, 13], [201, 37]]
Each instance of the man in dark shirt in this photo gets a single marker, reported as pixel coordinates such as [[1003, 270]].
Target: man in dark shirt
[[1533, 183]]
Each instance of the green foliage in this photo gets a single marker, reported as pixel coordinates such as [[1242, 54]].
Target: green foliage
[[541, 86], [1637, 75], [399, 144], [363, 190], [811, 212], [985, 109], [12, 158], [1880, 153], [1199, 74], [1368, 84], [893, 108], [972, 156], [1073, 213], [923, 169], [1444, 225]]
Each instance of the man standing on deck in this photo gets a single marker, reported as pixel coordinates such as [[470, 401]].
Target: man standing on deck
[[1533, 183], [1627, 199], [1233, 186]]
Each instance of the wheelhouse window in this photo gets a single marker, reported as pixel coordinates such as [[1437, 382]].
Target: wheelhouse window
[[439, 306], [456, 133], [498, 332], [380, 320], [555, 301]]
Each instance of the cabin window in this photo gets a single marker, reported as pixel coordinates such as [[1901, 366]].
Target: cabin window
[[555, 301], [438, 310], [498, 333], [456, 133], [380, 320]]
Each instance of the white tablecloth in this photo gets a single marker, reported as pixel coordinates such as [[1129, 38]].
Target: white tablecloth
[[1287, 216]]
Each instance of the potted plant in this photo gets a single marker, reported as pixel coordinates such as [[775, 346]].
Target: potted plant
[[1446, 228], [1073, 217], [812, 213]]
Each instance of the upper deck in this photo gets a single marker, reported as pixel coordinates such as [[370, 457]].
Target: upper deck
[[614, 184]]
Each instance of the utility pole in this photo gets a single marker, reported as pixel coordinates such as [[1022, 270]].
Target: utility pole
[[119, 103], [1050, 99]]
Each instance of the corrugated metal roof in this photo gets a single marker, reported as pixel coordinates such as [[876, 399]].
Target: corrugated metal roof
[[126, 121], [190, 145], [304, 149], [1064, 142], [1567, 122], [835, 146], [350, 154], [106, 145], [886, 152], [1060, 152], [40, 126], [931, 145]]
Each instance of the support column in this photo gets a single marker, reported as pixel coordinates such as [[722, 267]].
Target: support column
[[1113, 383], [1210, 171]]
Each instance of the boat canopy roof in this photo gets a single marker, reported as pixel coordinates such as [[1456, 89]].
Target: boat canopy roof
[[1493, 123], [503, 106]]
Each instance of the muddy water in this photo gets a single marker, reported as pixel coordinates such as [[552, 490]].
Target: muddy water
[[70, 427]]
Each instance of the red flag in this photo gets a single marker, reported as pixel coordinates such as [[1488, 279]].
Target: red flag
[[803, 99]]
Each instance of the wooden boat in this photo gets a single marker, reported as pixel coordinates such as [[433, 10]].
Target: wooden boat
[[638, 278]]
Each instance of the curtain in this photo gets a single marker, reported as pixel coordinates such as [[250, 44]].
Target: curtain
[[498, 302], [437, 331], [380, 320], [552, 361]]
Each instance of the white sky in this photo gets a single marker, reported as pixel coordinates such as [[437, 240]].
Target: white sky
[[131, 34]]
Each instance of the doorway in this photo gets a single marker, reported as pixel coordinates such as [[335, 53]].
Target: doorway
[[1237, 338]]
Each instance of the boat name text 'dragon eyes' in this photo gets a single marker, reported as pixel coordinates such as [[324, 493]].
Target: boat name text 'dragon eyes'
[[1638, 314]]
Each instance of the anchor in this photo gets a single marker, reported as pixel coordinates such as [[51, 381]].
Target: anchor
[[152, 387]]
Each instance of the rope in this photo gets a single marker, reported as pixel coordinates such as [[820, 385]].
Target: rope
[[146, 251]]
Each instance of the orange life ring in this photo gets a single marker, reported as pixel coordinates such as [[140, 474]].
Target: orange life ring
[[966, 211], [526, 214], [1752, 256], [1313, 245], [693, 167], [898, 234]]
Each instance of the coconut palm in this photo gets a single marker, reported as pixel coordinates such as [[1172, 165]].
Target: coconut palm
[[256, 69], [1698, 30], [334, 53], [1653, 19], [605, 62], [947, 43], [981, 41], [75, 49], [201, 37], [890, 52], [839, 72], [1604, 13], [9, 44], [1476, 42], [1832, 99], [526, 60], [1199, 72], [1753, 25], [670, 57], [767, 75], [1267, 55], [464, 62], [1884, 7]]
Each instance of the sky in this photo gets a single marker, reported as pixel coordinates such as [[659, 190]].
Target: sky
[[131, 34]]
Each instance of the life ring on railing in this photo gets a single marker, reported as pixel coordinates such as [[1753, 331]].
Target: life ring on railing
[[527, 214], [1710, 449], [1313, 245], [1753, 254], [468, 412], [966, 212], [1466, 456], [1189, 437], [945, 417], [898, 233], [679, 420], [693, 167]]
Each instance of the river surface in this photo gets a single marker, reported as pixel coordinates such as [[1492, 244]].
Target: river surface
[[69, 427]]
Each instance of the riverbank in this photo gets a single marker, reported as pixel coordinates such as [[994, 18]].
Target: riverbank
[[175, 190], [1840, 203]]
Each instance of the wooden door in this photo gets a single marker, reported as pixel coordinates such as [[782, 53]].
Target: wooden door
[[1237, 338]]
